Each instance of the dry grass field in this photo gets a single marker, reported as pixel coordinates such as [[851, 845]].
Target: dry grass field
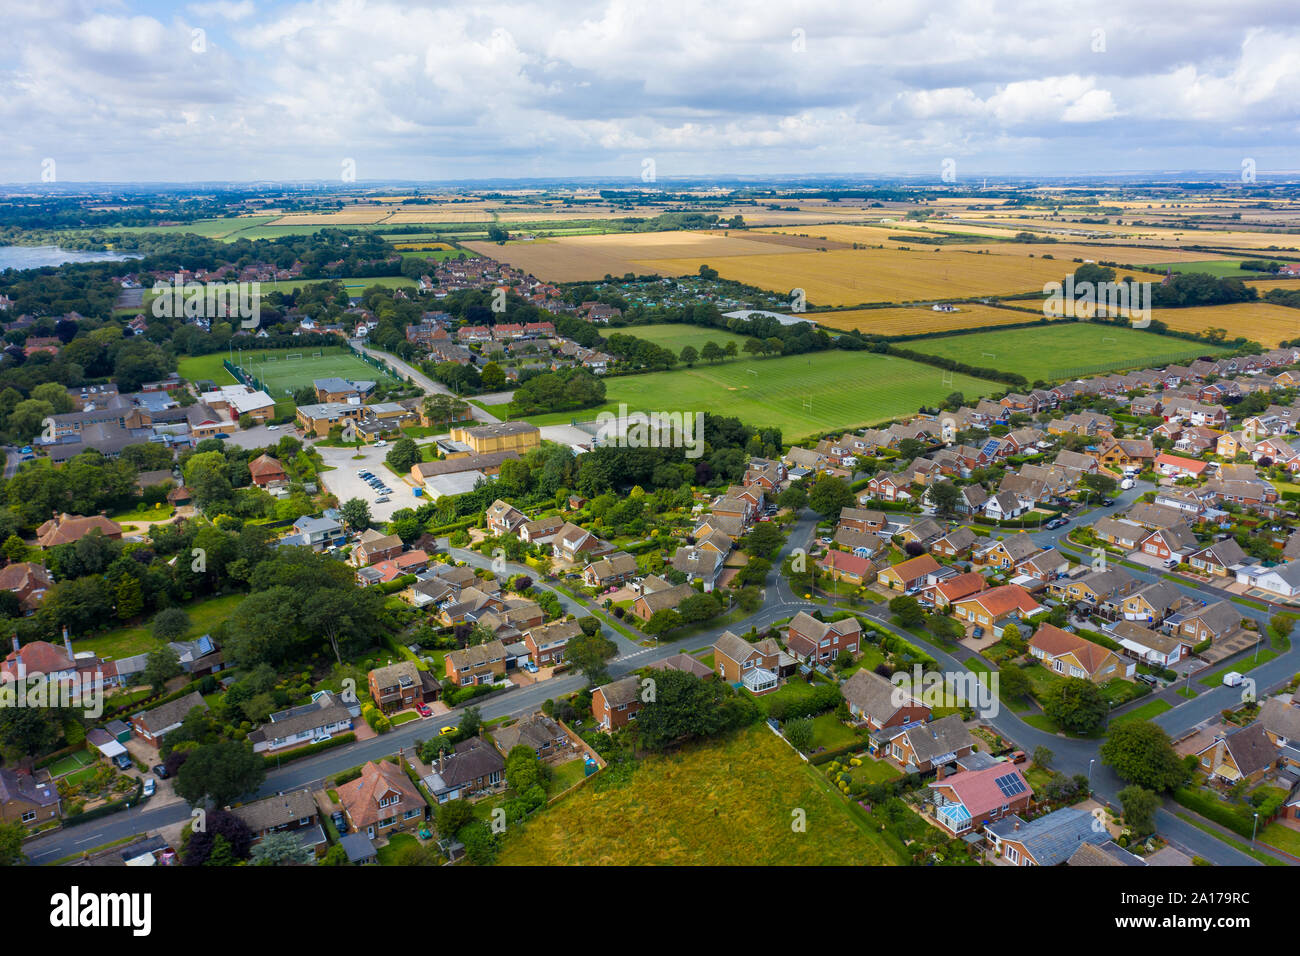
[[914, 320], [1263, 285], [1263, 322], [853, 277], [727, 802]]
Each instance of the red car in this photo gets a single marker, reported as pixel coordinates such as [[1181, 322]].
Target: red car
[[424, 710], [1019, 757]]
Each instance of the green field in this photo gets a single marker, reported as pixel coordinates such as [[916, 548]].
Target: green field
[[128, 641], [1063, 350], [280, 373], [1219, 268], [802, 395], [725, 802], [676, 337]]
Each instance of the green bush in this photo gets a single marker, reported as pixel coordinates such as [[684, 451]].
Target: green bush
[[1233, 816]]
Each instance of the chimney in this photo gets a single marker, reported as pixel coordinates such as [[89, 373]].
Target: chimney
[[940, 773], [1017, 825], [440, 753], [15, 642], [67, 643]]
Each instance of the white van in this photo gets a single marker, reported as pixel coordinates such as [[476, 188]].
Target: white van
[[1232, 679], [1126, 484]]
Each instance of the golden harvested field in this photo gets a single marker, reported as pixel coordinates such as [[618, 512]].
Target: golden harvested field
[[1263, 322], [1174, 236], [585, 258], [857, 276], [918, 319], [870, 234], [1263, 285]]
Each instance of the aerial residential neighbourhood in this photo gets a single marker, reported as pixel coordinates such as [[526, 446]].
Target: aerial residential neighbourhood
[[627, 437]]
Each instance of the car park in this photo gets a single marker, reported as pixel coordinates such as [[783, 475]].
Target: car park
[[273, 428], [382, 499]]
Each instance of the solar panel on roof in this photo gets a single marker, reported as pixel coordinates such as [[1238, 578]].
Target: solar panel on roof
[[991, 446], [1010, 784]]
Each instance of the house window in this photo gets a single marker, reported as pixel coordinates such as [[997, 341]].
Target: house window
[[29, 816], [1013, 854]]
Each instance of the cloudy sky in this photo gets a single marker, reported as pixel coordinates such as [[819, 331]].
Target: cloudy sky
[[139, 90]]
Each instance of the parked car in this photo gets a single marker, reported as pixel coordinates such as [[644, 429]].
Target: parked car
[[160, 771], [273, 428], [1232, 679], [150, 785], [1107, 502], [123, 761], [1019, 757], [1171, 563], [382, 499], [424, 710], [340, 821], [1126, 484], [977, 632], [1146, 679], [381, 443]]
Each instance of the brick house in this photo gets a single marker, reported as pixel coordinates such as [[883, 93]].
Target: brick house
[[546, 644], [821, 642], [481, 664], [756, 665], [401, 685], [614, 704], [877, 703], [23, 800], [382, 800]]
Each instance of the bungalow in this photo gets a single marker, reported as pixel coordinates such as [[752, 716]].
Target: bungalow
[[908, 575], [1219, 558], [666, 600], [923, 532], [1073, 656], [957, 542], [1148, 646], [996, 608], [310, 723], [1243, 754], [474, 767], [152, 725], [820, 641], [614, 704], [1102, 589], [698, 564], [266, 471], [864, 544], [64, 528], [1008, 553], [1214, 622], [1048, 840], [382, 800], [294, 811], [919, 748], [877, 703], [851, 568], [970, 800], [1282, 580], [539, 733], [1176, 467], [1119, 532], [1152, 603], [613, 569]]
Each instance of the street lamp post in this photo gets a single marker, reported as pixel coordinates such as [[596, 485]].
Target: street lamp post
[[1254, 828], [1090, 763]]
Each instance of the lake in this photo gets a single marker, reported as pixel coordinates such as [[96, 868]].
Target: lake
[[34, 257]]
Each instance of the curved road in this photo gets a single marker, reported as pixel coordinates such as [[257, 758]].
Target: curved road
[[419, 378]]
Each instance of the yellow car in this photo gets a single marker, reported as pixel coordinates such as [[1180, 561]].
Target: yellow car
[[446, 730]]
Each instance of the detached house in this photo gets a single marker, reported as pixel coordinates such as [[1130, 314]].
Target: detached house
[[614, 704], [382, 800], [967, 801], [877, 703], [481, 664], [1072, 656], [908, 575], [1243, 754], [820, 642], [473, 768], [997, 607], [757, 666], [920, 748]]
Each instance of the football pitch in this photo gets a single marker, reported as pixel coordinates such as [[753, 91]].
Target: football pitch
[[283, 371], [802, 395]]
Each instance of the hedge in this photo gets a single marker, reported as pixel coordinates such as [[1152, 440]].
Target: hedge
[[150, 705], [1233, 816], [461, 694], [307, 751], [823, 698]]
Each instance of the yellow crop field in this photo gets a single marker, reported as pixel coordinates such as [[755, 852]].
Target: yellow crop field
[[869, 233], [1263, 285], [857, 276], [1263, 322]]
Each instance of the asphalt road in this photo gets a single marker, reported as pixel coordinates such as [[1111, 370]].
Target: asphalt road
[[419, 378], [1071, 755]]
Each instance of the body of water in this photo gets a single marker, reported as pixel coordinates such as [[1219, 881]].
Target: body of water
[[35, 257]]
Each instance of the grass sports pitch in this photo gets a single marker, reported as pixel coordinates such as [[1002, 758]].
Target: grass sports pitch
[[1063, 350], [284, 370], [800, 394]]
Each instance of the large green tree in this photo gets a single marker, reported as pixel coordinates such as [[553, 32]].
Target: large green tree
[[1076, 705], [1140, 752]]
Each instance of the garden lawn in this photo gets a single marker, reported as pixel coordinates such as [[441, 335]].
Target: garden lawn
[[1266, 654], [874, 771], [723, 802], [127, 641], [831, 733], [565, 776], [388, 853], [1281, 837]]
